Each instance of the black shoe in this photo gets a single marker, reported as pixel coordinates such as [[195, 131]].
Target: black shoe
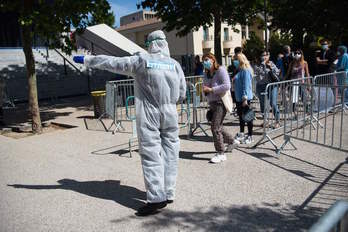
[[151, 208], [170, 201]]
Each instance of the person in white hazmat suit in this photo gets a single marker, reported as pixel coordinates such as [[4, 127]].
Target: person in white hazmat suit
[[159, 85]]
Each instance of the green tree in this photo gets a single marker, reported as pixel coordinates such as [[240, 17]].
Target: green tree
[[277, 42], [51, 20], [313, 17], [253, 47], [102, 14], [187, 15]]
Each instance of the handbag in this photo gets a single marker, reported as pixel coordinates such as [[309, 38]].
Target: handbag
[[227, 100], [249, 115]]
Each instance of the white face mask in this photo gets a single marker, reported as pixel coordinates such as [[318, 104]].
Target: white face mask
[[298, 56]]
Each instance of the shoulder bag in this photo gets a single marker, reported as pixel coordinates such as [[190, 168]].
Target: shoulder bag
[[227, 100]]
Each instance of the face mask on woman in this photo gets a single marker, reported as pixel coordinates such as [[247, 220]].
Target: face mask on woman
[[324, 46], [207, 64], [338, 53], [236, 63], [297, 56]]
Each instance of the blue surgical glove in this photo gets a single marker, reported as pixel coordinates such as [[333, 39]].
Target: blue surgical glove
[[79, 59]]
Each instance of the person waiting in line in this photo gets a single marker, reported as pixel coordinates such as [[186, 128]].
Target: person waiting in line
[[159, 84], [243, 93], [298, 70], [342, 66], [284, 61], [198, 66], [266, 72], [216, 82], [325, 58], [232, 70], [342, 63]]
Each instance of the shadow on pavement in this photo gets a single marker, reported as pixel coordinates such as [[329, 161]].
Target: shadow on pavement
[[127, 196], [267, 217], [192, 155], [201, 138], [332, 183], [121, 150]]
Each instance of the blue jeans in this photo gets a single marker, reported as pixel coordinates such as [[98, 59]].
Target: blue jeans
[[273, 95]]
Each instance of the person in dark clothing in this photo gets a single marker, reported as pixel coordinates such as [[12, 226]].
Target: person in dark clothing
[[284, 62], [325, 58], [232, 71], [198, 66]]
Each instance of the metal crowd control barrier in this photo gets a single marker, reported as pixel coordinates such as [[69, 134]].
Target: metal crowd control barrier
[[310, 109], [130, 114], [334, 79], [200, 107], [328, 112], [116, 97], [335, 219], [276, 109], [192, 113]]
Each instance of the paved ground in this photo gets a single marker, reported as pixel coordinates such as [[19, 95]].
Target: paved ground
[[84, 180]]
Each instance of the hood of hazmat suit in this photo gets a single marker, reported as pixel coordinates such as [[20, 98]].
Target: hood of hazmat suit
[[159, 84]]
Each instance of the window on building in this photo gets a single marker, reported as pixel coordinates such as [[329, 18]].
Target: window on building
[[205, 33], [226, 35]]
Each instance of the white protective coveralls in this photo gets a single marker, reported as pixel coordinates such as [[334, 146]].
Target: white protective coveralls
[[159, 85]]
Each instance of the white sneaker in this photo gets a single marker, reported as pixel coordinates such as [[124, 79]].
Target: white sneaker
[[218, 158], [248, 140], [240, 136]]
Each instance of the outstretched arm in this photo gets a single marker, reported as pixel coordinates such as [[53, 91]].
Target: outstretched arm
[[121, 65]]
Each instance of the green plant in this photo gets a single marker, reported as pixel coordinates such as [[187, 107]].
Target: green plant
[[253, 47], [277, 42]]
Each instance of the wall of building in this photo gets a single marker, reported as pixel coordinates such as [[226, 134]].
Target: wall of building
[[185, 48], [54, 79], [199, 37], [136, 17]]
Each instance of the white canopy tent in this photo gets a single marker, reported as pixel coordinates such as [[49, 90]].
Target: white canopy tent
[[104, 40]]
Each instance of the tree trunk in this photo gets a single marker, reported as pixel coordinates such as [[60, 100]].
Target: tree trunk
[[217, 38], [34, 110]]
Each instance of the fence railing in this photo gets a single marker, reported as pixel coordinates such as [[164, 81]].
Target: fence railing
[[195, 105], [275, 108], [309, 109], [335, 219], [326, 115]]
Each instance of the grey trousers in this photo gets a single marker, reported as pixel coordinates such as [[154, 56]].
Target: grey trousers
[[220, 136]]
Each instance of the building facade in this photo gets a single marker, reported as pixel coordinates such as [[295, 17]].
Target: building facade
[[137, 26]]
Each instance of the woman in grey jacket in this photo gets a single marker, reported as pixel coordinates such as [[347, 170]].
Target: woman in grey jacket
[[216, 82]]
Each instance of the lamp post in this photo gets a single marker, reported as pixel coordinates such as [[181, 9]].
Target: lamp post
[[266, 29]]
